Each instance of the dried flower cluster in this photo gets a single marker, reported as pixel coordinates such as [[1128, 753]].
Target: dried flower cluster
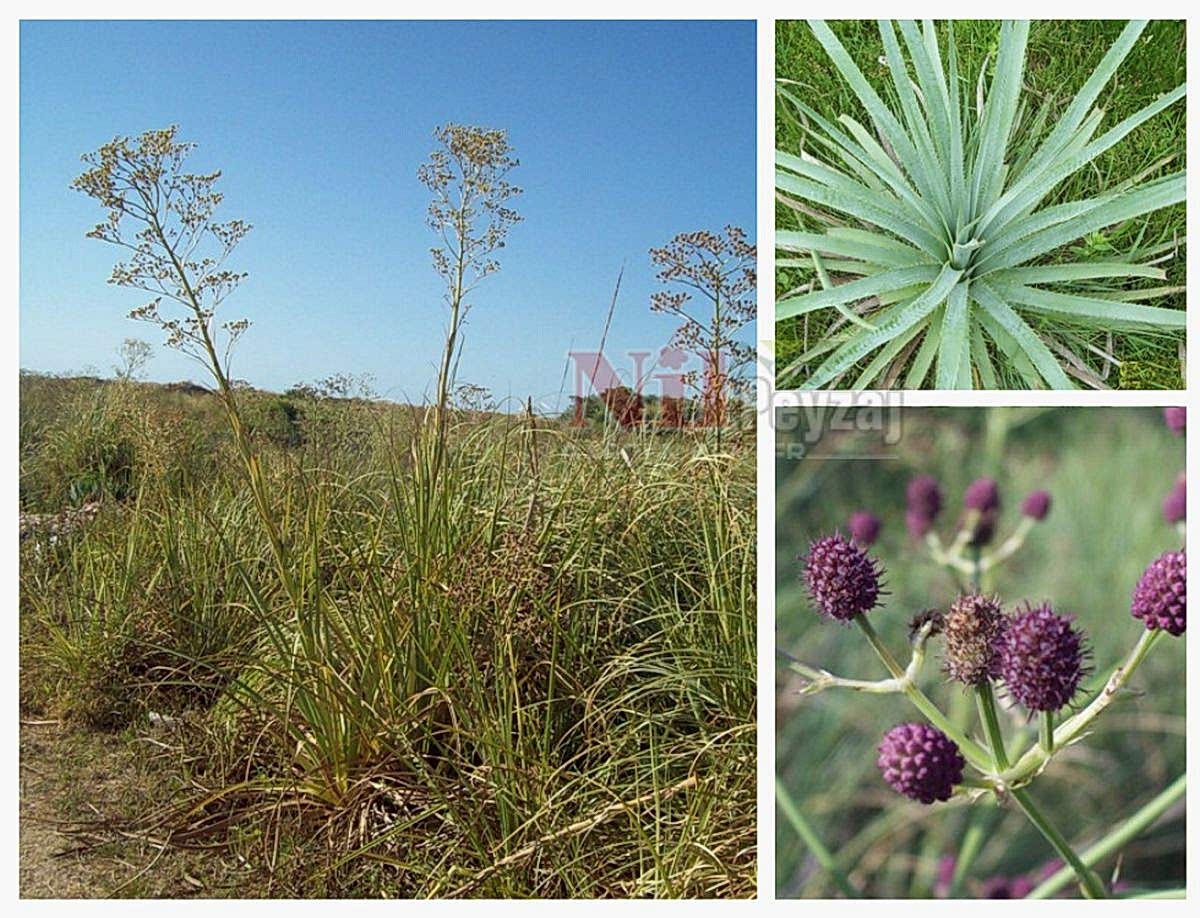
[[973, 627], [722, 270], [166, 219]]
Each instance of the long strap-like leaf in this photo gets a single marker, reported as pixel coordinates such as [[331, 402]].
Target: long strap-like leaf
[[999, 112], [1164, 192], [1109, 312], [877, 249], [884, 282], [954, 354], [864, 206], [902, 320], [1026, 338], [1027, 194]]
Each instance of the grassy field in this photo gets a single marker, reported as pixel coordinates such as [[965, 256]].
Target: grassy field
[[1061, 55], [532, 674], [1108, 471]]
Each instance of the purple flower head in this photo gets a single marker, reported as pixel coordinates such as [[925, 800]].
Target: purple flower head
[[920, 762], [1174, 505], [924, 495], [1176, 419], [842, 579], [1041, 658], [983, 495], [972, 627], [864, 527], [1036, 505], [1160, 598]]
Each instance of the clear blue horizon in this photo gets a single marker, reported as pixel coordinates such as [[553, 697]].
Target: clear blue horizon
[[627, 132]]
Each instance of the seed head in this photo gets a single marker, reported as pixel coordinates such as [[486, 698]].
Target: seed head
[[973, 627], [1176, 419], [1174, 505], [1041, 658], [842, 579], [920, 762], [1160, 598], [864, 527], [1036, 505]]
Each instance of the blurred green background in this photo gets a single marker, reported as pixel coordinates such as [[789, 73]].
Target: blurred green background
[[1108, 470]]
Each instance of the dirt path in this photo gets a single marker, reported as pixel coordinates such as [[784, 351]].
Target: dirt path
[[60, 770], [72, 775]]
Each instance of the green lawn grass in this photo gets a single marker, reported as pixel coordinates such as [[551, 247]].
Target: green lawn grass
[[1108, 470], [1061, 55]]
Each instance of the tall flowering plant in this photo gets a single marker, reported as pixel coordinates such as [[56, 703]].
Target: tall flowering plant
[[1029, 656]]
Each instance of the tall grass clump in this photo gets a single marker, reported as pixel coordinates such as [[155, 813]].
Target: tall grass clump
[[937, 232], [453, 654]]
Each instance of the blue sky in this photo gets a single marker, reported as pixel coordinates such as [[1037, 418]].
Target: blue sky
[[627, 133]]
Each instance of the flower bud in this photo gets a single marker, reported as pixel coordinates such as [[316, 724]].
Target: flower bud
[[864, 527], [1036, 505]]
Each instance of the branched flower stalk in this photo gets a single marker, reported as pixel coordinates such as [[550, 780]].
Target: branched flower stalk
[[467, 176], [718, 271], [165, 217], [1033, 655]]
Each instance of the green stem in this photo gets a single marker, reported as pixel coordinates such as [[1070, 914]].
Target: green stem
[[974, 753], [1161, 894], [813, 841], [1046, 732], [1090, 883], [986, 701], [1118, 837], [972, 844]]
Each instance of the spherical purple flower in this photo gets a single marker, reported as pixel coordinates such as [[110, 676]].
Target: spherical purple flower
[[983, 495], [1160, 598], [1174, 505], [920, 762], [842, 579], [864, 527], [1036, 505], [1041, 658], [1176, 419]]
